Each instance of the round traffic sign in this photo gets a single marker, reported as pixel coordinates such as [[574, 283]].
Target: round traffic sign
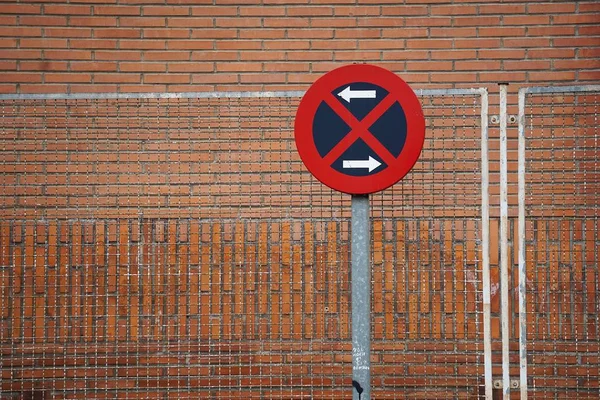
[[359, 129]]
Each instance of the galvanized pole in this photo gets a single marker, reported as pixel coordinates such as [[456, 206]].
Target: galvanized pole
[[361, 299], [522, 262], [485, 248], [504, 275]]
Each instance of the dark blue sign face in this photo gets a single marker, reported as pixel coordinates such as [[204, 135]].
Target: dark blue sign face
[[359, 108]]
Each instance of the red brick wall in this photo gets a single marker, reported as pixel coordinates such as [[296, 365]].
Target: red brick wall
[[127, 226], [91, 326], [159, 45]]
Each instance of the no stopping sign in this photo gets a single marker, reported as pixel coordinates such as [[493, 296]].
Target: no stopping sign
[[359, 129]]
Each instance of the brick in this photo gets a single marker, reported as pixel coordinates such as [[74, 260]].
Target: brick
[[289, 23], [304, 11], [190, 67], [238, 45], [369, 22], [238, 67], [526, 65], [122, 33], [358, 34], [569, 42], [8, 20], [191, 22], [224, 22], [390, 33], [311, 34], [529, 20], [167, 33], [364, 55], [190, 44], [68, 54], [39, 20], [92, 44], [93, 66], [213, 33], [501, 31], [21, 77], [589, 7], [262, 34], [550, 8], [333, 23], [251, 11], [214, 55], [21, 9], [359, 11], [476, 20], [452, 10], [429, 43], [67, 78], [67, 9], [142, 21], [121, 55], [93, 88], [143, 44], [166, 10], [588, 75], [591, 30], [502, 9], [15, 31], [551, 53], [528, 43], [476, 65], [454, 55], [92, 21], [550, 30], [550, 76], [453, 32], [403, 10], [8, 42], [116, 10], [281, 67], [575, 19], [142, 67], [501, 54], [334, 45]]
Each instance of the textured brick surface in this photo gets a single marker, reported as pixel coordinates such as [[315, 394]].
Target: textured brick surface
[[175, 250], [175, 46], [203, 158], [135, 235], [136, 232], [113, 305]]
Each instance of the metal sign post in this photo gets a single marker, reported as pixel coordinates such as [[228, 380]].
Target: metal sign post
[[361, 298], [360, 129]]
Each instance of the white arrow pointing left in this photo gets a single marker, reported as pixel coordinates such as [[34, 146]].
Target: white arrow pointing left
[[370, 164], [348, 94]]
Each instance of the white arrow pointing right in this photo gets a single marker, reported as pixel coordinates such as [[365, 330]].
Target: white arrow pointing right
[[370, 164]]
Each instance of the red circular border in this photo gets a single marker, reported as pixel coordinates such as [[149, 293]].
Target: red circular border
[[323, 87]]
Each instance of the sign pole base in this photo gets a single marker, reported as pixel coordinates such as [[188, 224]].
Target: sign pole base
[[361, 298]]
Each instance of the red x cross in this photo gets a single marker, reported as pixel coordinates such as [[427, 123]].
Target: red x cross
[[360, 129]]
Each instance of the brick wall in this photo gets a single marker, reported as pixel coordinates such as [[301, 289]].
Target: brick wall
[[105, 308], [129, 225], [111, 274], [159, 45]]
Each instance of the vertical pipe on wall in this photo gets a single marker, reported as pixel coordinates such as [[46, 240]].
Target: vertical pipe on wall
[[504, 244], [522, 263], [485, 247]]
